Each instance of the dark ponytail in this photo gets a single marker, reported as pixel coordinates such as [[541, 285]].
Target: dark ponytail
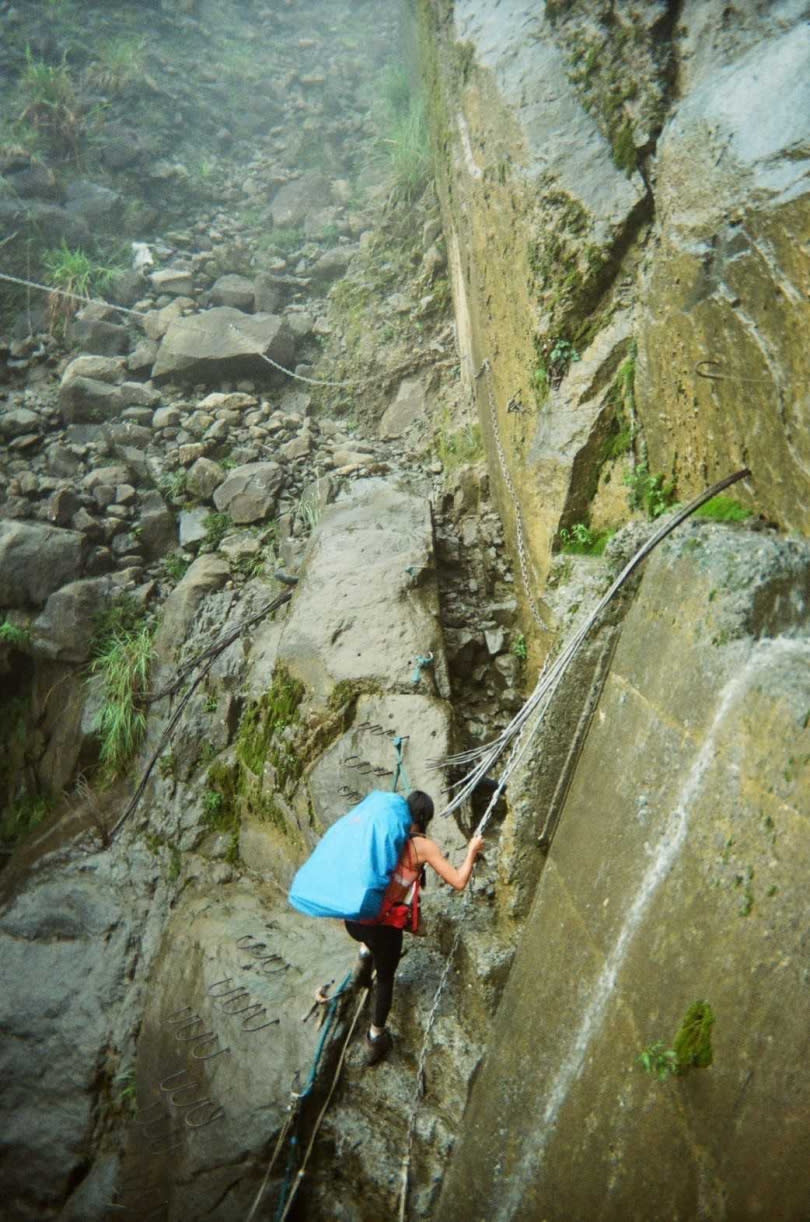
[[421, 807]]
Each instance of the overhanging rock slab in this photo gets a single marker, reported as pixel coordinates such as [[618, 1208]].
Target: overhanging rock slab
[[366, 608]]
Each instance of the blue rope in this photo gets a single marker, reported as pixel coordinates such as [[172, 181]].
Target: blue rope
[[313, 1073], [398, 747], [422, 661], [288, 1176], [325, 1030]]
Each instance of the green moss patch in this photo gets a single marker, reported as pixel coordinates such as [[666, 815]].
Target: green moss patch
[[693, 1043], [724, 509]]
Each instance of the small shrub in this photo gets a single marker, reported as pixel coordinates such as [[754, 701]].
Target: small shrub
[[580, 540], [654, 494], [213, 806], [659, 1061], [554, 361], [691, 1047], [519, 647], [14, 636], [22, 816]]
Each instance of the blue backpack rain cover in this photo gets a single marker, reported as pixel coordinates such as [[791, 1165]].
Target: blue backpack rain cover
[[349, 869]]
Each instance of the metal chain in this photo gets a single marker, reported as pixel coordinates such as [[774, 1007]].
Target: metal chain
[[523, 555]]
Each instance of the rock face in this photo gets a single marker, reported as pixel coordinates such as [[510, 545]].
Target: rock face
[[63, 945], [223, 340], [222, 1040], [726, 285], [562, 137], [625, 230], [370, 577], [689, 858]]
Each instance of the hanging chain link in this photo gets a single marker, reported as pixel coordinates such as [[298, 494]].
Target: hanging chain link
[[523, 555]]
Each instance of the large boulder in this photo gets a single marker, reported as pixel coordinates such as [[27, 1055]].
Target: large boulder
[[250, 493], [222, 1039], [677, 873], [420, 721], [366, 608], [295, 200], [98, 206], [220, 343], [206, 574], [88, 401], [35, 560], [233, 290], [64, 630]]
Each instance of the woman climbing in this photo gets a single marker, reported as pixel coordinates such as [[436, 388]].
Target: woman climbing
[[382, 938]]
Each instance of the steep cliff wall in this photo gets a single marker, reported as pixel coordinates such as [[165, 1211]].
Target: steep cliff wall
[[625, 218], [614, 183]]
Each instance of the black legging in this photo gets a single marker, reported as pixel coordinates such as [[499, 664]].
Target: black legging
[[385, 944]]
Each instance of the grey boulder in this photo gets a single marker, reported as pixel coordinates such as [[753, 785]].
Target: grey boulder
[[35, 560], [222, 342], [250, 493]]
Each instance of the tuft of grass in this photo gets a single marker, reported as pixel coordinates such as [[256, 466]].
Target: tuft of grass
[[216, 526], [404, 138], [286, 238], [173, 487], [119, 63], [408, 149], [123, 654], [693, 1042], [50, 104], [623, 148], [454, 449], [176, 565], [72, 272]]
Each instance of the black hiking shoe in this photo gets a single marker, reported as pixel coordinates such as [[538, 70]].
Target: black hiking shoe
[[363, 971], [378, 1047]]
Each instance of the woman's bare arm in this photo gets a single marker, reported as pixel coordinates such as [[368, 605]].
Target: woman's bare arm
[[429, 853]]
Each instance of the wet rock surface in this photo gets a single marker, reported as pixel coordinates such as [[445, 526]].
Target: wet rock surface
[[153, 462]]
